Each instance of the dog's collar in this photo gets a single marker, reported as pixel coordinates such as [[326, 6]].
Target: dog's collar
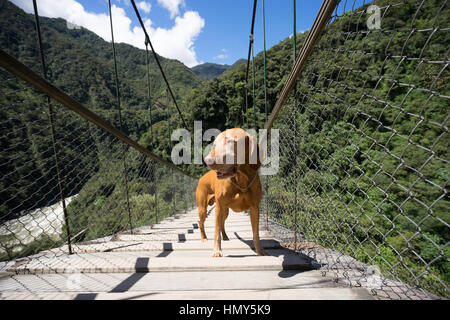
[[247, 187]]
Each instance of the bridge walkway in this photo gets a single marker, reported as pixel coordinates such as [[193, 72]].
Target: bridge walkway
[[169, 261]]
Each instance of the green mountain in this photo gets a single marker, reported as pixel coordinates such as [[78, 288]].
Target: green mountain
[[81, 63], [238, 62], [210, 71]]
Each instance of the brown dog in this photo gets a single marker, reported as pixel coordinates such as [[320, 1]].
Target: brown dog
[[233, 183]]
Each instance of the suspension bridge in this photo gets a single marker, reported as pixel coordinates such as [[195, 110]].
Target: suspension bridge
[[357, 210]]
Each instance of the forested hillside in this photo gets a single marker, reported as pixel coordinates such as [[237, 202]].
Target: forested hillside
[[374, 145], [81, 64]]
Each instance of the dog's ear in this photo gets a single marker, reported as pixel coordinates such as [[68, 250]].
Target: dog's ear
[[257, 154]]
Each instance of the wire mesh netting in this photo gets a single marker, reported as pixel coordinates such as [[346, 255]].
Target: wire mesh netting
[[364, 154], [66, 182], [107, 186]]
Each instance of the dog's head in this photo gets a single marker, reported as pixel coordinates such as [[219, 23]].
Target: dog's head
[[234, 147]]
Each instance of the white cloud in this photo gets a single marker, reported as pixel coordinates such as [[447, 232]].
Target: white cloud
[[178, 42], [220, 56], [174, 43], [172, 6], [144, 6]]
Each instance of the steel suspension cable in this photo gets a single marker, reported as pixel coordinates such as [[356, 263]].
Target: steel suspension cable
[[125, 168], [250, 46], [264, 58], [253, 93], [251, 39], [147, 39]]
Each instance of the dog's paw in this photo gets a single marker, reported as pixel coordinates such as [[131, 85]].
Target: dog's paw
[[217, 254], [261, 252], [205, 240]]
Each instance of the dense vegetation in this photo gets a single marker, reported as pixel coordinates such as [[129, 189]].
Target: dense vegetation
[[371, 155]]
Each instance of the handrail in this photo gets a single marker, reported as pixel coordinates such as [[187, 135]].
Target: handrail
[[23, 72]]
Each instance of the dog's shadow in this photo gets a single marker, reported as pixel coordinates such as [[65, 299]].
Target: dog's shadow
[[276, 251]]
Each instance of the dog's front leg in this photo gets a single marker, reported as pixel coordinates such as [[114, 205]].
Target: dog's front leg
[[222, 225], [254, 218], [217, 230], [201, 222]]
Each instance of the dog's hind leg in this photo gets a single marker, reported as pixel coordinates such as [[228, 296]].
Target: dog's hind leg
[[211, 199], [224, 217], [201, 223]]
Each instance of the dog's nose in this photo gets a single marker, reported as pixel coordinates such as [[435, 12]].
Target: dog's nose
[[209, 160]]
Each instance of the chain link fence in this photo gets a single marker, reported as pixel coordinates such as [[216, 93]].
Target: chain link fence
[[107, 187], [81, 186], [364, 151], [65, 182]]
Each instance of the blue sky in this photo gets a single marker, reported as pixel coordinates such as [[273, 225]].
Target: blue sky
[[228, 22], [192, 31], [228, 25]]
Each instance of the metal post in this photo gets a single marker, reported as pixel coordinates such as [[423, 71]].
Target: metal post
[[174, 194], [169, 128], [266, 186], [295, 130], [193, 196], [185, 196], [246, 105], [156, 198], [147, 64], [52, 129]]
